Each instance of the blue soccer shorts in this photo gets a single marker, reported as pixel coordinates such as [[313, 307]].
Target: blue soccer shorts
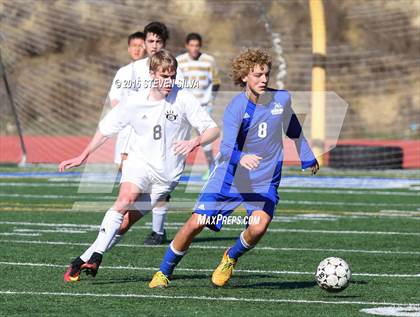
[[218, 206]]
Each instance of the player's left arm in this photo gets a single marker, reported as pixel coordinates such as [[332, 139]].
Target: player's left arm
[[184, 147], [293, 130]]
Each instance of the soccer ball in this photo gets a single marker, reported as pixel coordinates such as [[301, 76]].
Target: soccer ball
[[333, 274]]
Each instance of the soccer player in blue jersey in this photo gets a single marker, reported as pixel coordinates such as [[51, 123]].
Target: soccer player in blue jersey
[[249, 170]]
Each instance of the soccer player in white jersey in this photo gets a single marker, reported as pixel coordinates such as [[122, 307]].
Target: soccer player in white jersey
[[156, 35], [161, 119], [136, 50], [201, 73], [138, 78]]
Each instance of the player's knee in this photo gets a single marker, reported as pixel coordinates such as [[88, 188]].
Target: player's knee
[[124, 202], [258, 230], [193, 225], [261, 221]]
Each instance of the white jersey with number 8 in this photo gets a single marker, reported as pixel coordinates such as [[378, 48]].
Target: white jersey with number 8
[[157, 125]]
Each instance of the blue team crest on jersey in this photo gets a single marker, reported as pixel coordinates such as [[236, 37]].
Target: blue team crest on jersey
[[278, 109]]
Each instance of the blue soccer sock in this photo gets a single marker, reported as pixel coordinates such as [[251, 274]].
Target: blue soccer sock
[[170, 260], [239, 248]]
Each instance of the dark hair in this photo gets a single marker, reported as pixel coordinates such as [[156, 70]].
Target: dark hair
[[157, 28], [136, 35], [192, 37]]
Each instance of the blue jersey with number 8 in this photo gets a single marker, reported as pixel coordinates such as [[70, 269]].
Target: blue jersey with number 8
[[258, 129]]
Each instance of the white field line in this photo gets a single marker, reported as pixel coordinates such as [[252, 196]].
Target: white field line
[[385, 213], [207, 298], [101, 207], [174, 209], [77, 184], [287, 202], [413, 212], [20, 234], [176, 226], [282, 190], [341, 203], [213, 247], [136, 268], [59, 230], [350, 215], [348, 192], [35, 196], [278, 230], [340, 232], [49, 224]]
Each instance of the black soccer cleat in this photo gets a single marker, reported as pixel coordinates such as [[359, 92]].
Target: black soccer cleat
[[155, 238], [73, 271], [91, 267]]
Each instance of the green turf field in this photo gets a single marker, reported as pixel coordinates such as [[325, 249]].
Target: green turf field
[[46, 222]]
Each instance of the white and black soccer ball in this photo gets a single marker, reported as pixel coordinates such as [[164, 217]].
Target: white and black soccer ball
[[333, 274]]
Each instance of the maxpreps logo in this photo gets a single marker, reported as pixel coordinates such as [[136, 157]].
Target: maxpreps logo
[[278, 109], [170, 115]]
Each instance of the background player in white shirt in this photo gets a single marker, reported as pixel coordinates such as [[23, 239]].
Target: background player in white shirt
[[156, 35], [136, 50], [161, 119], [201, 73]]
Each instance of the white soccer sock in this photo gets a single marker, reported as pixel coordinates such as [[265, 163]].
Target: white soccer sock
[[245, 244], [88, 253], [179, 253], [159, 217], [115, 240], [109, 228]]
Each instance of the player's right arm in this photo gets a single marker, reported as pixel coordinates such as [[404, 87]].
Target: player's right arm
[[111, 124], [198, 117], [95, 143], [250, 161]]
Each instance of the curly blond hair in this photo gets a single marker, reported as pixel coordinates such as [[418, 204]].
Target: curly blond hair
[[246, 61]]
